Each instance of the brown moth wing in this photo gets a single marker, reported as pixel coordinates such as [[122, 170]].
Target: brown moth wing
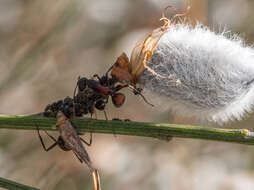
[[122, 71]]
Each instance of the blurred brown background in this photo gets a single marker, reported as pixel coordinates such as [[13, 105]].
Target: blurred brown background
[[46, 45]]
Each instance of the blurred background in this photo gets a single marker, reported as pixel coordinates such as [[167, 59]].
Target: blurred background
[[46, 45]]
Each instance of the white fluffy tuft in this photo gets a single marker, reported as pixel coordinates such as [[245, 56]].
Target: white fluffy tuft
[[216, 73]]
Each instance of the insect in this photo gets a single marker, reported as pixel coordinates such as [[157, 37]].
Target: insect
[[95, 94], [66, 106], [69, 140], [91, 94], [116, 78]]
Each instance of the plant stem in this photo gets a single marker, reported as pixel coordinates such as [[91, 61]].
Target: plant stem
[[8, 184], [155, 130]]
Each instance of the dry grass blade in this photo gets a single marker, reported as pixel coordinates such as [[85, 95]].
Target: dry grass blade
[[96, 179]]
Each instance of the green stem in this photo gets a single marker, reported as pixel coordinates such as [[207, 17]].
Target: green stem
[[8, 184], [156, 130]]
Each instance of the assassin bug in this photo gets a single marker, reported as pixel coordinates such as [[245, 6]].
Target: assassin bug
[[69, 140]]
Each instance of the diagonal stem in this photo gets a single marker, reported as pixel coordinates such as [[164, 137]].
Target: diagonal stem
[[12, 185]]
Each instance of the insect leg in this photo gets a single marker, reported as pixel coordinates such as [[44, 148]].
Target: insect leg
[[135, 91], [74, 94], [90, 141], [119, 87], [95, 114], [42, 143], [105, 114], [78, 157], [53, 138], [110, 68]]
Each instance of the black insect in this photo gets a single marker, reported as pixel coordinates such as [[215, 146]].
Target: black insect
[[95, 94], [89, 94], [66, 106]]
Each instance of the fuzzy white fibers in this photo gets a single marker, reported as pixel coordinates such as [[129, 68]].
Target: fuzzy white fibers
[[216, 72]]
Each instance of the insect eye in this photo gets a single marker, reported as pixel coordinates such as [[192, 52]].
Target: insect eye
[[118, 99]]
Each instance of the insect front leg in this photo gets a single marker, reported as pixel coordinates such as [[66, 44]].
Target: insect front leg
[[137, 91], [42, 143]]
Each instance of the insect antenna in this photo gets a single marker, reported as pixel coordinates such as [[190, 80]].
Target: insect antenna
[[110, 68]]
